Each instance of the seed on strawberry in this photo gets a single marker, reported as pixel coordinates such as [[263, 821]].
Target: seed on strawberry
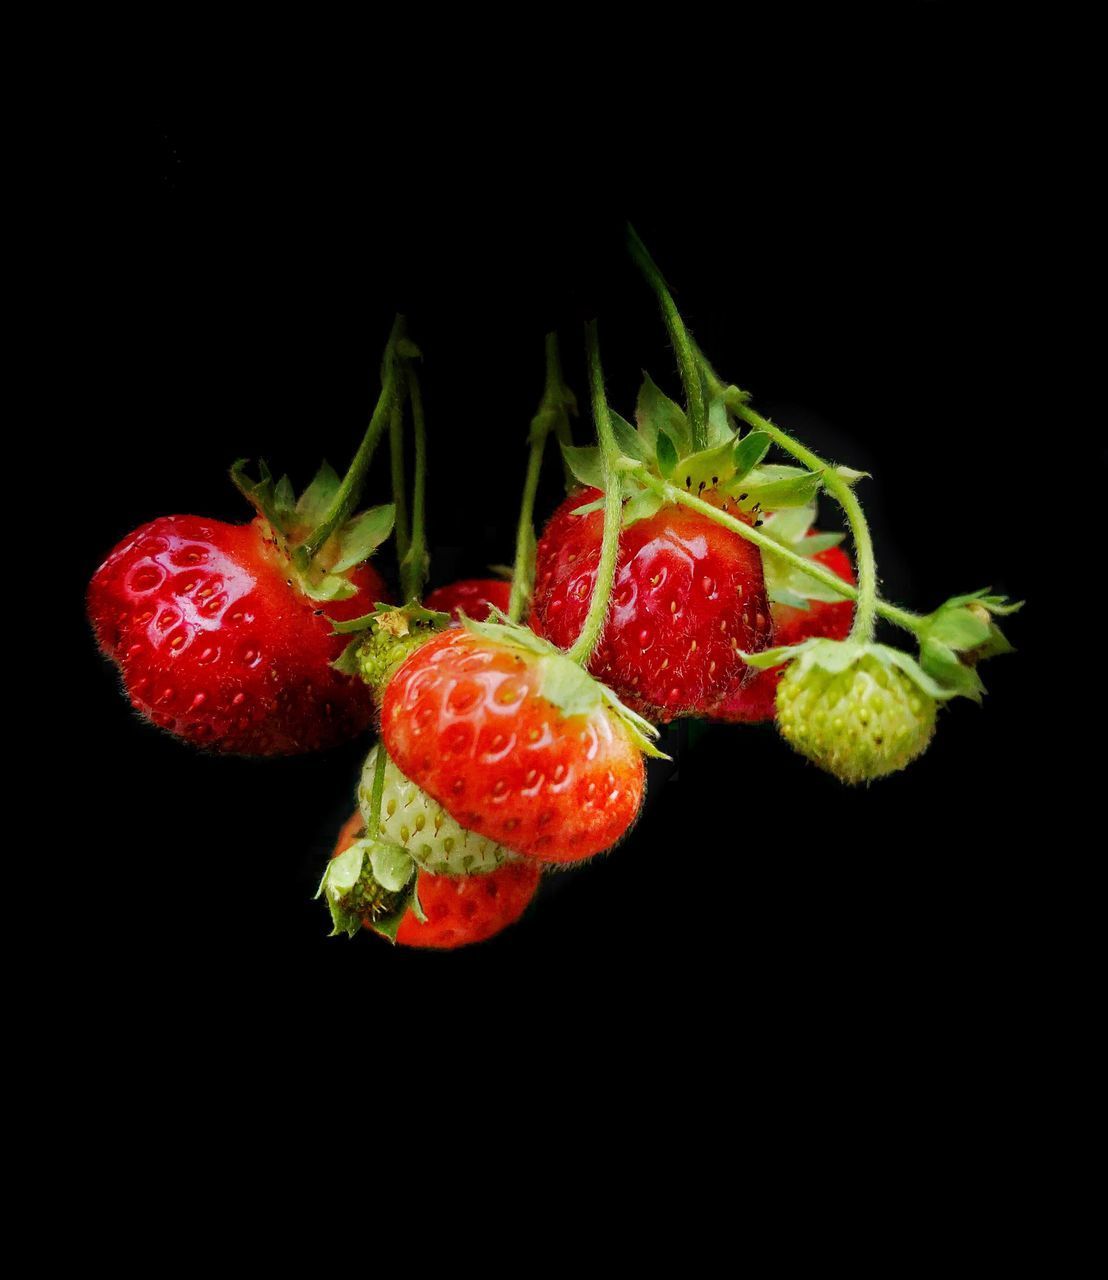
[[860, 711], [688, 597], [516, 742], [411, 819]]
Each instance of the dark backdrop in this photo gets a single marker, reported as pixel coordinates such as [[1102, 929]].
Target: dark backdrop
[[862, 251]]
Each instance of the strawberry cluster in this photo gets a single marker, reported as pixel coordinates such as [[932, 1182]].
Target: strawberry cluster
[[683, 576]]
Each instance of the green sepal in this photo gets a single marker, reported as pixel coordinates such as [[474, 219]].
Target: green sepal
[[666, 452], [416, 905], [414, 613], [585, 463], [631, 444], [347, 661], [642, 504], [655, 412], [708, 468], [962, 631], [749, 451], [941, 662], [597, 504], [720, 430], [785, 583], [834, 656], [563, 683], [772, 490], [850, 475], [362, 535], [316, 499], [261, 495], [782, 595], [392, 865], [388, 925]]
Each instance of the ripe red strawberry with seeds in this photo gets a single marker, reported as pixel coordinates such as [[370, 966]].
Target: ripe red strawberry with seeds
[[688, 596], [475, 597], [801, 607], [223, 634], [457, 910], [516, 742]]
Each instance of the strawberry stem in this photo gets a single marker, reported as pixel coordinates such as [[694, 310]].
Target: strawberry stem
[[373, 826], [346, 498], [672, 493], [415, 562], [553, 416], [840, 490], [401, 529], [581, 649], [683, 344]]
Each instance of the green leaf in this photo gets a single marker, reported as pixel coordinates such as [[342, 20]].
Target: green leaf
[[568, 686], [706, 469], [781, 595], [316, 499], [796, 491], [656, 412], [958, 628], [361, 536], [642, 505], [630, 443], [347, 661], [585, 463], [942, 664], [720, 430], [342, 872], [667, 455], [392, 865], [284, 499], [750, 450]]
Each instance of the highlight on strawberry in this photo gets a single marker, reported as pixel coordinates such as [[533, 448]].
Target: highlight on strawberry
[[223, 633]]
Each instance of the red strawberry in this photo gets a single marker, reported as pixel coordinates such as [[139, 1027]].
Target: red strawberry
[[688, 596], [458, 909], [756, 699], [515, 742], [475, 597], [217, 643]]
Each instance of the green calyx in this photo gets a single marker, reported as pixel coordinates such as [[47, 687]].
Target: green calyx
[[383, 639], [373, 883], [858, 710], [661, 443], [293, 521], [958, 635], [565, 684], [786, 583]]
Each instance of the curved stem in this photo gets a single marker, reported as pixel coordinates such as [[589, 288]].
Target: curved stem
[[373, 826], [401, 529], [683, 344], [553, 415], [415, 563], [350, 490], [671, 493], [582, 647], [844, 495]]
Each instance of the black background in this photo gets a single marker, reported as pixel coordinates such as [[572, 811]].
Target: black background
[[854, 238]]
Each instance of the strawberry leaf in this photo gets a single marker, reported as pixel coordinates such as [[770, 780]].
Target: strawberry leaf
[[667, 455], [750, 450], [316, 499], [655, 412], [585, 463], [361, 536]]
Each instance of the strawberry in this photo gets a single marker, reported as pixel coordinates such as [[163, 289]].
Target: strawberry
[[456, 910], [415, 822], [516, 742], [475, 597], [688, 596], [221, 632], [800, 607]]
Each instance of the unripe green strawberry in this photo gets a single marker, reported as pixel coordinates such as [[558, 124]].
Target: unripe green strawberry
[[860, 711], [383, 639], [410, 818]]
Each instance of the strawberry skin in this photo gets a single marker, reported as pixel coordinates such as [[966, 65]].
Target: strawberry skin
[[215, 645], [475, 597], [755, 700], [463, 718], [688, 595], [459, 909]]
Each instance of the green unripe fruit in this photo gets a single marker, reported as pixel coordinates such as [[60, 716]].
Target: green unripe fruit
[[861, 721], [420, 825]]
